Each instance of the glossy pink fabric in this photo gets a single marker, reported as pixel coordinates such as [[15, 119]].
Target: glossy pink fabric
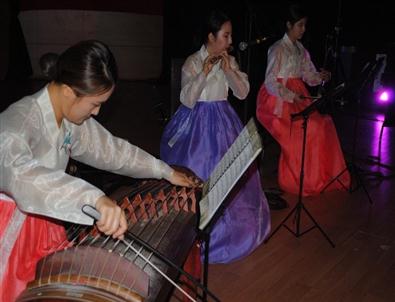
[[323, 156], [38, 237]]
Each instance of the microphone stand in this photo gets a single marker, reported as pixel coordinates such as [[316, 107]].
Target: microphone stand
[[251, 19], [333, 59], [299, 207], [335, 47], [245, 65]]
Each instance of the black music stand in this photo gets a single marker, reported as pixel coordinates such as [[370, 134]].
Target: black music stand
[[367, 73], [205, 237], [232, 167], [305, 114]]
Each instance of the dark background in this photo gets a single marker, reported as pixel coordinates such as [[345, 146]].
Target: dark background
[[366, 26]]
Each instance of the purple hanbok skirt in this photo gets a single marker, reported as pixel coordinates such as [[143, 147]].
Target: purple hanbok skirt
[[197, 139]]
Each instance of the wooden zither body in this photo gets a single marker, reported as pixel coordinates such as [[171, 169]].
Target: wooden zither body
[[95, 267]]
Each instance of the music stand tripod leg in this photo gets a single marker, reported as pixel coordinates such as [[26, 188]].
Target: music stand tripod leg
[[317, 226], [361, 183], [336, 178], [205, 238], [300, 206], [281, 224], [353, 169]]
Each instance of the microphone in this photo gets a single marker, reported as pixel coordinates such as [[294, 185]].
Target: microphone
[[244, 45]]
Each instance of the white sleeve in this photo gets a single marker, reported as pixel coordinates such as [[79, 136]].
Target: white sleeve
[[98, 148], [39, 190], [192, 83], [274, 61], [309, 72], [238, 80]]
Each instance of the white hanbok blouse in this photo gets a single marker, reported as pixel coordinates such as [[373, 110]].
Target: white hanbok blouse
[[196, 86], [288, 60], [34, 153]]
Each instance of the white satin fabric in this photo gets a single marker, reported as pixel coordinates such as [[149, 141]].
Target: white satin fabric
[[195, 85], [288, 60], [34, 153]]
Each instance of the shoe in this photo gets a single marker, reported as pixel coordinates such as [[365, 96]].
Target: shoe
[[275, 201]]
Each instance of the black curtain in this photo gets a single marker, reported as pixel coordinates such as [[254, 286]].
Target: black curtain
[[14, 55]]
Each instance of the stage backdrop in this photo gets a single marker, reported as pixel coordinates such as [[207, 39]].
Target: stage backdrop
[[132, 29]]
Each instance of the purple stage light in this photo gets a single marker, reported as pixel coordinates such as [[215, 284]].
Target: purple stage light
[[384, 95]]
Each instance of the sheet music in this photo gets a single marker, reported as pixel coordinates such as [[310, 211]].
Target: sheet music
[[231, 167]]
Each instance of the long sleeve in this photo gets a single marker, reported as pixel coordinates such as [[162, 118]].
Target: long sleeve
[[309, 72], [41, 190], [34, 153], [275, 61], [237, 80], [193, 82], [97, 147]]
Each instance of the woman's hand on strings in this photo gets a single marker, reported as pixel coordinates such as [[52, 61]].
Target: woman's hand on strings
[[181, 179], [112, 218]]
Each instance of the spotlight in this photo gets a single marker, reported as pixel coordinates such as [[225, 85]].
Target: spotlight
[[384, 95]]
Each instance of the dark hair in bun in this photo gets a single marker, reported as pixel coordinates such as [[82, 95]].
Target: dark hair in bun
[[88, 67], [294, 13], [48, 65]]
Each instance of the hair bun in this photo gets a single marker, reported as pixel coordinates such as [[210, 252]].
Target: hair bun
[[48, 64]]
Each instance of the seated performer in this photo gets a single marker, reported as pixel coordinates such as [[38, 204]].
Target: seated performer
[[282, 94], [204, 127], [38, 135]]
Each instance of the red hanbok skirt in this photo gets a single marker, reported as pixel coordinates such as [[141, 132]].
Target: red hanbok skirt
[[38, 237], [323, 155]]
